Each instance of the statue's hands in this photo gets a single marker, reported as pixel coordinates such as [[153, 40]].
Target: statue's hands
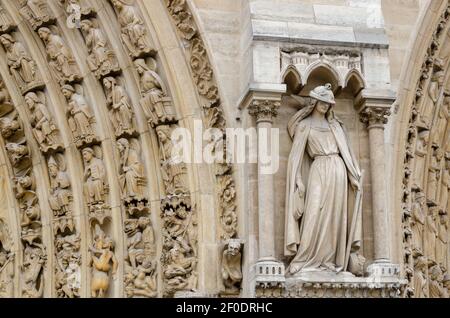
[[299, 201], [356, 185]]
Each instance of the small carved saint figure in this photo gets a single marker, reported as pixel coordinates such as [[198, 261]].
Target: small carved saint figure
[[102, 60], [6, 23], [420, 158], [9, 126], [21, 65], [132, 178], [6, 273], [121, 113], [60, 192], [418, 221], [75, 7], [134, 34], [36, 12], [318, 202], [420, 278], [435, 281], [434, 173], [61, 59], [32, 268], [232, 267], [103, 261], [95, 181], [431, 233], [173, 168], [16, 152], [81, 119], [68, 261], [157, 106], [44, 129]]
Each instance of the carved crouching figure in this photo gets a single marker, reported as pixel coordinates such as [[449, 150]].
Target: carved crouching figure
[[232, 268]]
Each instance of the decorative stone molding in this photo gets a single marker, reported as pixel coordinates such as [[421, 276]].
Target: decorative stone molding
[[264, 110], [340, 62]]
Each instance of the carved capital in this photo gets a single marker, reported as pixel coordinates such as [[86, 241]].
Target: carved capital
[[264, 110], [375, 116]]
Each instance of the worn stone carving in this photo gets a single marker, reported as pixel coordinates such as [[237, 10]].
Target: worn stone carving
[[120, 109], [21, 65], [102, 60], [434, 173], [442, 239], [140, 269], [320, 138], [68, 262], [6, 23], [435, 281], [6, 262], [228, 218], [44, 130], [60, 57], [103, 262], [179, 259], [10, 126], [33, 266], [36, 12], [418, 220], [17, 153], [420, 158], [60, 198], [232, 267], [95, 184], [134, 33], [182, 17], [157, 105], [445, 186], [431, 233], [81, 119], [426, 108], [132, 178], [83, 7], [420, 278], [173, 169]]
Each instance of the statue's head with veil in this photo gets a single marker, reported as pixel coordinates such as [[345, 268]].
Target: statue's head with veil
[[323, 192]]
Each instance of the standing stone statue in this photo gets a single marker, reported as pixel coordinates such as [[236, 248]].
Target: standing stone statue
[[232, 267], [121, 113], [132, 178], [20, 63], [322, 224], [133, 30], [420, 158], [102, 60], [60, 192], [418, 220], [81, 119], [95, 186], [61, 59], [44, 129]]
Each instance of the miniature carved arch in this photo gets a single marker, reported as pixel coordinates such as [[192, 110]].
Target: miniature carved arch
[[292, 78]]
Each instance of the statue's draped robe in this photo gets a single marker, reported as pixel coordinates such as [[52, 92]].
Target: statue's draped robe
[[331, 221]]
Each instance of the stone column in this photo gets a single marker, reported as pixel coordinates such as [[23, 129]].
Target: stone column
[[374, 112], [269, 272]]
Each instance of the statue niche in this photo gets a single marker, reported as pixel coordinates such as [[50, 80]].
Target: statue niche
[[317, 202], [157, 105], [133, 31], [21, 65], [102, 60]]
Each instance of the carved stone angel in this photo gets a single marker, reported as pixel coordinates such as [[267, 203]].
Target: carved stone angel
[[36, 12], [134, 33], [157, 106], [44, 129], [102, 60], [321, 228], [83, 6], [121, 113], [81, 119], [61, 58], [21, 65]]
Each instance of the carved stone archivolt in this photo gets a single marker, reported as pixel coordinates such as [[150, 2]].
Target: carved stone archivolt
[[36, 12], [6, 262], [425, 182]]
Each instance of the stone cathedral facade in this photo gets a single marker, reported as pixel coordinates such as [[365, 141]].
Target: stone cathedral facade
[[94, 204]]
